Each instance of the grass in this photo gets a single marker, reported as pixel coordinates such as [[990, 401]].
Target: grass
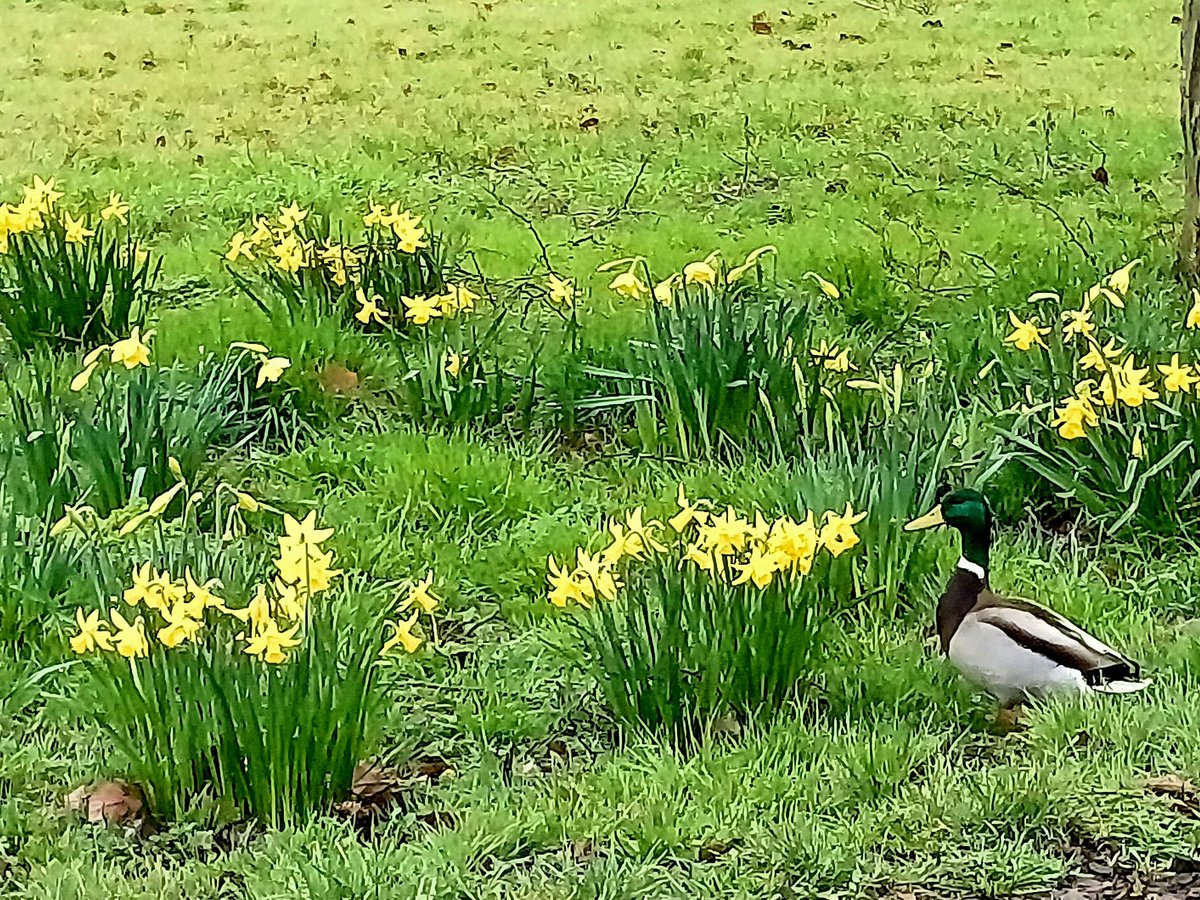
[[931, 172]]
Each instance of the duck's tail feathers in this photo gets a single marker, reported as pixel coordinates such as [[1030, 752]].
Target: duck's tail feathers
[[1122, 687]]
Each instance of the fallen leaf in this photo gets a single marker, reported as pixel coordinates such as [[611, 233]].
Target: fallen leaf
[[1170, 785], [337, 379], [434, 768], [107, 802], [761, 27], [1100, 176], [714, 850], [589, 122], [374, 783]]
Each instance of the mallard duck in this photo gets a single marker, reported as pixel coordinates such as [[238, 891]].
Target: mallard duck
[[1014, 649]]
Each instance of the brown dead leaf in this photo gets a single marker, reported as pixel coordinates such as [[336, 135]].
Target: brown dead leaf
[[1170, 786], [374, 783], [432, 767], [589, 122], [107, 802], [714, 850], [337, 379], [761, 27]]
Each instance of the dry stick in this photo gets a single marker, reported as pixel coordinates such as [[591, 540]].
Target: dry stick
[[1021, 192], [528, 222], [615, 213]]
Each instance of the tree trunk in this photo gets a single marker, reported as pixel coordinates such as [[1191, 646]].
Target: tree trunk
[[1189, 245]]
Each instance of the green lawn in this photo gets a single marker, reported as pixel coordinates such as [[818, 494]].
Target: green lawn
[[933, 160]]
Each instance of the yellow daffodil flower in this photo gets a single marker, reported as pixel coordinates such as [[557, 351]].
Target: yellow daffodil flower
[[289, 254], [421, 595], [180, 627], [759, 569], [272, 370], [688, 513], [1075, 416], [1078, 321], [724, 534], [797, 543], [838, 535], [240, 247], [133, 351], [403, 636], [561, 290], [627, 284], [594, 576], [702, 559], [419, 310], [1099, 290], [290, 217], [664, 291], [44, 192], [1177, 378], [828, 288], [375, 216], [1129, 387], [1193, 316], [369, 308], [93, 634], [454, 362], [462, 299], [1136, 449], [1119, 280], [257, 612], [116, 209], [129, 640], [406, 227], [76, 230], [80, 381], [752, 258], [269, 643], [246, 502], [1025, 334], [563, 586], [202, 593], [262, 232], [305, 531], [701, 273]]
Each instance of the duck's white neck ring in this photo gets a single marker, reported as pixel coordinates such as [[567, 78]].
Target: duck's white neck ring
[[974, 568]]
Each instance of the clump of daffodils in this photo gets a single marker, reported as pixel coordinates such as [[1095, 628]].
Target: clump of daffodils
[[1117, 379], [727, 547], [176, 612], [705, 275], [39, 211]]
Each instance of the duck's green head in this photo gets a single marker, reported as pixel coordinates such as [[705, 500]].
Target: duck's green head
[[968, 511]]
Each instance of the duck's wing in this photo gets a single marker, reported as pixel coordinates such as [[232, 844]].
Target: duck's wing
[[1057, 638]]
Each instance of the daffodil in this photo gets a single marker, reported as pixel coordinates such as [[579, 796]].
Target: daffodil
[[627, 284], [369, 308], [1099, 290], [305, 531], [1078, 321], [664, 291], [272, 370], [375, 216], [701, 273], [420, 310], [1097, 357], [563, 585], [752, 258], [1177, 378], [409, 235], [240, 247], [403, 636], [454, 362], [1129, 387], [1136, 449], [594, 576], [145, 588], [269, 643], [129, 640], [289, 254], [699, 557], [1119, 280], [44, 192], [80, 381], [257, 612], [421, 595], [561, 290], [759, 569], [116, 209], [828, 288], [688, 513], [1025, 334], [1074, 417], [262, 232], [1193, 316], [246, 502], [76, 230], [838, 535], [462, 298], [133, 351], [724, 534], [290, 217], [795, 542], [93, 634], [202, 594], [180, 627]]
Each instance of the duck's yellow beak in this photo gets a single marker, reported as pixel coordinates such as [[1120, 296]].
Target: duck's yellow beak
[[929, 520]]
